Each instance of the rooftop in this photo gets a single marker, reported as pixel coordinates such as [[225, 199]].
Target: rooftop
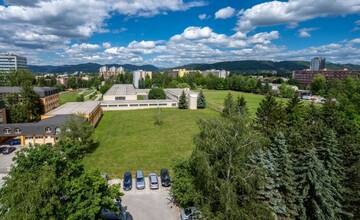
[[70, 108], [121, 89], [35, 128], [40, 91]]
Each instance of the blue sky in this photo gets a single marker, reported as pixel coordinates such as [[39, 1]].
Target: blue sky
[[174, 32]]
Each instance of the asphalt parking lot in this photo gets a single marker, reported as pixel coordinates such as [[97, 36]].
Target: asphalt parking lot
[[6, 161], [149, 204]]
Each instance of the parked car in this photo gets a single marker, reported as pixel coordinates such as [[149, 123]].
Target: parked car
[[190, 213], [14, 142], [127, 184], [8, 150], [165, 178], [153, 181], [2, 149], [140, 181]]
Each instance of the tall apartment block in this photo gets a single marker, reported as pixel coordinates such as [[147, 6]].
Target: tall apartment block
[[317, 63], [9, 62]]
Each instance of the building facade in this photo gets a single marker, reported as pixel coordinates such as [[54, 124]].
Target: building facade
[[317, 63], [140, 75], [49, 96], [125, 97], [107, 73], [9, 62], [218, 73], [305, 77], [178, 73]]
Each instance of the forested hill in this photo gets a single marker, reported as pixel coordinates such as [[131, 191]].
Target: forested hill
[[257, 66], [86, 67], [249, 66]]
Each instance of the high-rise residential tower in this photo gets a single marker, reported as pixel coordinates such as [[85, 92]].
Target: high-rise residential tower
[[9, 62], [317, 63]]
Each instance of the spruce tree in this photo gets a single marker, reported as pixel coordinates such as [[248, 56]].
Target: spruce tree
[[285, 181], [294, 111], [267, 188], [241, 105], [229, 106], [201, 101], [330, 155], [270, 115], [316, 199], [182, 101]]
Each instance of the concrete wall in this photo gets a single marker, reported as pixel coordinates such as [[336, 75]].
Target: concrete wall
[[140, 104]]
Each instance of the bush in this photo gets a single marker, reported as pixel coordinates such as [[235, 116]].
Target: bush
[[157, 93]]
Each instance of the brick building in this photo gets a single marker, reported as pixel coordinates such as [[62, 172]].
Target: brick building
[[305, 77]]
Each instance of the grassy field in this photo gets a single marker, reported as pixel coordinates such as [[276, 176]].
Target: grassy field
[[215, 99], [70, 96], [130, 140]]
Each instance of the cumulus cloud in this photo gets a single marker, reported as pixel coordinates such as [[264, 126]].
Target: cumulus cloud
[[356, 41], [305, 32], [106, 45], [225, 13], [54, 23], [203, 16], [293, 12], [152, 7]]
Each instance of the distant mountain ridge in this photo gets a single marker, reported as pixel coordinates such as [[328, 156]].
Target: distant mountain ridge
[[263, 65], [233, 66], [86, 67]]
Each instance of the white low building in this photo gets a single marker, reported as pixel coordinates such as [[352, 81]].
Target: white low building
[[126, 97], [120, 92]]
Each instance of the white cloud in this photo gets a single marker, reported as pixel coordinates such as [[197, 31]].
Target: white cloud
[[225, 13], [106, 45], [305, 32], [142, 45], [356, 41], [204, 16], [293, 12], [54, 23], [193, 33], [152, 7]]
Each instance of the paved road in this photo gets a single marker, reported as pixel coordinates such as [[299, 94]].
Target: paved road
[[149, 204], [6, 161]]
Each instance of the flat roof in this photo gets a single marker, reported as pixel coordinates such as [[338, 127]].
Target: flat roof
[[121, 89], [71, 108]]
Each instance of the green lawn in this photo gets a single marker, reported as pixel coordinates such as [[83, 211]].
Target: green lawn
[[130, 140], [215, 99], [70, 96]]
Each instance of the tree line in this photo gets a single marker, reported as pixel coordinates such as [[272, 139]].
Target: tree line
[[294, 160], [52, 183]]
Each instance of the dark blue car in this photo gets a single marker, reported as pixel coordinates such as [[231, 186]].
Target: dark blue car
[[127, 185]]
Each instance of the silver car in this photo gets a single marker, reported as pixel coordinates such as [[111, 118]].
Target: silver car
[[140, 182], [153, 181]]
